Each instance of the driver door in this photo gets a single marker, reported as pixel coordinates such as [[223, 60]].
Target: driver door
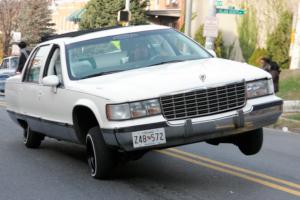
[[55, 102]]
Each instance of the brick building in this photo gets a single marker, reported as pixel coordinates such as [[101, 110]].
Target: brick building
[[167, 12]]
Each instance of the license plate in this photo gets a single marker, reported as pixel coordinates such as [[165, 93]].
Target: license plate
[[149, 137]]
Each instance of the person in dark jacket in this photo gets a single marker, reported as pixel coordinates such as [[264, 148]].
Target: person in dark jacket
[[273, 68], [23, 57]]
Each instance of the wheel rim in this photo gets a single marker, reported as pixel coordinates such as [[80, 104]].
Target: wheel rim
[[91, 157]]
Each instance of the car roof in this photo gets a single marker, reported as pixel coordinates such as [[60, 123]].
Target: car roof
[[102, 33]]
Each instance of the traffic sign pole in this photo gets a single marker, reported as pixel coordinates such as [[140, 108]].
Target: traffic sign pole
[[210, 41], [188, 18]]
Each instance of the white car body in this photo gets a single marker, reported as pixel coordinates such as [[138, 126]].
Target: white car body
[[42, 106]]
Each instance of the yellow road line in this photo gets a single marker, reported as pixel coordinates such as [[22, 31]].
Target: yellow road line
[[2, 104], [257, 174], [224, 170]]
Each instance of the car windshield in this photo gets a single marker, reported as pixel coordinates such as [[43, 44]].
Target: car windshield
[[117, 53], [5, 63]]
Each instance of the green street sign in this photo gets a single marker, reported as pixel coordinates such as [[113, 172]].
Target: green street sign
[[219, 3], [230, 11]]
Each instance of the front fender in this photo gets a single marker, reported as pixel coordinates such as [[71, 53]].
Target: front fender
[[92, 106]]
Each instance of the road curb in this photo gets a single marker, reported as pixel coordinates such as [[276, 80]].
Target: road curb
[[291, 106]]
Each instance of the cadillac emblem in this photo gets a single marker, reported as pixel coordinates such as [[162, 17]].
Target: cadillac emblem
[[202, 77]]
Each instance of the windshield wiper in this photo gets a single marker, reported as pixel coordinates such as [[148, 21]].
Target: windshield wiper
[[166, 62], [101, 74]]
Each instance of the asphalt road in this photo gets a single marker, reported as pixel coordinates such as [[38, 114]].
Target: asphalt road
[[58, 170]]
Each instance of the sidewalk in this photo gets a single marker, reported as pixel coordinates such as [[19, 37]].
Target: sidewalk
[[284, 123], [291, 106]]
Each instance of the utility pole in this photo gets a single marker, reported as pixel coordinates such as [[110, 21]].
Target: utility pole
[[212, 11], [127, 8], [127, 5], [295, 44], [188, 17]]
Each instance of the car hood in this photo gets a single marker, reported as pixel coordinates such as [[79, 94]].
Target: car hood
[[160, 80]]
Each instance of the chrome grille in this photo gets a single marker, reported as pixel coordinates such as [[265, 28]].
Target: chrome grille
[[204, 102]]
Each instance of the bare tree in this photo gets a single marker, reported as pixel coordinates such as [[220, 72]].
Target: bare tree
[[8, 12], [34, 21]]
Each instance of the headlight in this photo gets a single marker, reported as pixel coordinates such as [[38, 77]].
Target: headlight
[[259, 88], [133, 110], [118, 112]]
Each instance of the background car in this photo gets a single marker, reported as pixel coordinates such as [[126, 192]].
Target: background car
[[8, 68]]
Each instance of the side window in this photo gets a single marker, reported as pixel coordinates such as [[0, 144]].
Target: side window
[[36, 63], [54, 67], [57, 68]]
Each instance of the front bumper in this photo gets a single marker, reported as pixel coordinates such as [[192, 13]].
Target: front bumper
[[260, 115]]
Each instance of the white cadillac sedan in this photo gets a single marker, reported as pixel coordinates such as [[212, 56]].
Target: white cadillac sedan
[[123, 91]]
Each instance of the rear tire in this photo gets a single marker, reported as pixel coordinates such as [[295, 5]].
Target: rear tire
[[250, 143], [101, 159], [32, 139]]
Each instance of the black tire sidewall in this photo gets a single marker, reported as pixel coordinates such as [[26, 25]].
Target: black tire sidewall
[[251, 142], [32, 139], [103, 155], [93, 148]]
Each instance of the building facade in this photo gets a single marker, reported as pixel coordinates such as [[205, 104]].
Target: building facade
[[62, 10], [167, 12], [164, 12]]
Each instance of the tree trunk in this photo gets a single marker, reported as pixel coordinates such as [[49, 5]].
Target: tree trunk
[[8, 12], [6, 41]]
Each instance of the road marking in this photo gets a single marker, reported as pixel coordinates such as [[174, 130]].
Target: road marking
[[234, 173], [2, 104], [257, 174]]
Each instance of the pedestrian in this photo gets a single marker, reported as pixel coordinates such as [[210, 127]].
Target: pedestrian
[[273, 68], [23, 57]]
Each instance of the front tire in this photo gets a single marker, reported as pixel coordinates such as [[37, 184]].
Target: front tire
[[101, 159], [250, 143], [32, 139]]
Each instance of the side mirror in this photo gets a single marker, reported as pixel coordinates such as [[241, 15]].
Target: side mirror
[[212, 52], [51, 81]]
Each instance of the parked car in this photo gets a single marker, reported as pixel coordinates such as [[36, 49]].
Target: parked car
[[124, 91], [8, 68]]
